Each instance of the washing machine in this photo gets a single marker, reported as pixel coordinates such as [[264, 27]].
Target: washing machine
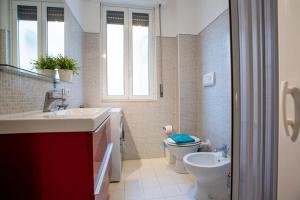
[[117, 138]]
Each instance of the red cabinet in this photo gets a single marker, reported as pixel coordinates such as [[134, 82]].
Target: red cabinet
[[55, 166]]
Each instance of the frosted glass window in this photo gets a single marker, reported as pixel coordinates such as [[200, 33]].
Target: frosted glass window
[[28, 43], [55, 31], [115, 59], [140, 44], [27, 36], [55, 38]]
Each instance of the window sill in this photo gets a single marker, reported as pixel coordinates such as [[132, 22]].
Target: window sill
[[128, 100]]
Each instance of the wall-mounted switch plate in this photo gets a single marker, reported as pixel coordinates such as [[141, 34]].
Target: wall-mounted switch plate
[[209, 79]]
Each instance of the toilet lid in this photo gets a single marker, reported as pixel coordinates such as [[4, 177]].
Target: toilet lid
[[172, 142]]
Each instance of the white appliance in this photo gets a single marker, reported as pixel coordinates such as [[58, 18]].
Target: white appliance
[[117, 137]]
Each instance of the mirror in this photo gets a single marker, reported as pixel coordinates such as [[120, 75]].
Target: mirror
[[30, 30]]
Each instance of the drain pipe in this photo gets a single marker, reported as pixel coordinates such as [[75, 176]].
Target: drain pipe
[[161, 88]]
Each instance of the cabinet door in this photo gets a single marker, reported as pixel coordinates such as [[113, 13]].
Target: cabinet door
[[47, 166], [102, 148]]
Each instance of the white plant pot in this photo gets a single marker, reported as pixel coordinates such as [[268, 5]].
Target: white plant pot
[[47, 72], [65, 75]]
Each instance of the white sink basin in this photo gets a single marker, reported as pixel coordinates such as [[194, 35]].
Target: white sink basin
[[71, 120]]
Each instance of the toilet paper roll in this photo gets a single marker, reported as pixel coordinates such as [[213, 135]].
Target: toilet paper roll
[[168, 129]]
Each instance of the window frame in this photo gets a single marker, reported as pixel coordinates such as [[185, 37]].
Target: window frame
[[42, 27], [128, 55]]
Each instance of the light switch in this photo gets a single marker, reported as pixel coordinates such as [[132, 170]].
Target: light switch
[[208, 79]]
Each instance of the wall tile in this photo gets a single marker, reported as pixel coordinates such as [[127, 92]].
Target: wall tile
[[214, 103]]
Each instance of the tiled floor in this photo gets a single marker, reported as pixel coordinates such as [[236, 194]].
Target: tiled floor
[[151, 179]]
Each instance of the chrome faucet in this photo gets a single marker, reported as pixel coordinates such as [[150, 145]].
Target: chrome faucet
[[53, 96], [224, 150]]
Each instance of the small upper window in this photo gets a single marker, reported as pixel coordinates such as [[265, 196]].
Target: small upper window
[[128, 49]]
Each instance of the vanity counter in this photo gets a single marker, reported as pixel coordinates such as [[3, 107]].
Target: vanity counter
[[70, 120]]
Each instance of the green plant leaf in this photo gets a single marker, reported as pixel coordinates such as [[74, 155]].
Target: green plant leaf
[[47, 62], [67, 63]]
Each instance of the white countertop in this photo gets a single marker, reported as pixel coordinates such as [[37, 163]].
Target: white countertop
[[70, 120]]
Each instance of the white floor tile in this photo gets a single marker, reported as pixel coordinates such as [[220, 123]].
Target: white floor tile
[[151, 179], [186, 189], [166, 180], [152, 193], [171, 191], [150, 182], [119, 195]]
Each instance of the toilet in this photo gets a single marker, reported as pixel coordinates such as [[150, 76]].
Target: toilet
[[211, 170], [180, 150]]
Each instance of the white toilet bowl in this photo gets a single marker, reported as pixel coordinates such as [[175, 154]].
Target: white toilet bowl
[[211, 171], [180, 150]]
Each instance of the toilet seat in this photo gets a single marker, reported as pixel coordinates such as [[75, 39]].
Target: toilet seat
[[170, 142]]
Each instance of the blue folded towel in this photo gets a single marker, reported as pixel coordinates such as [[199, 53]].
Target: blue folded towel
[[182, 138]]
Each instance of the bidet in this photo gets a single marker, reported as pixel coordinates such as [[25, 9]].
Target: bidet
[[211, 170]]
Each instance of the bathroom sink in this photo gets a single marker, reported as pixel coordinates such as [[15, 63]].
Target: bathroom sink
[[71, 120]]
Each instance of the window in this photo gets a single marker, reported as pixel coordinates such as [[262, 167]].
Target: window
[[55, 31], [27, 37], [128, 54], [38, 29]]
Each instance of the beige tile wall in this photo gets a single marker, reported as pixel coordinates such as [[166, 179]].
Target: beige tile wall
[[21, 93], [187, 83], [214, 103], [143, 120]]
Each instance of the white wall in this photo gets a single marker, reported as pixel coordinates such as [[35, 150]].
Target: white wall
[[187, 17], [289, 70], [87, 14], [4, 14], [209, 10], [178, 16]]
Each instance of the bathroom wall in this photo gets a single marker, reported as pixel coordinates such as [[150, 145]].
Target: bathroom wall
[[19, 93], [187, 83], [143, 119], [214, 103], [73, 48]]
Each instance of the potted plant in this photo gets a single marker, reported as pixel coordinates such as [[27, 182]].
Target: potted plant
[[67, 67], [45, 65]]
